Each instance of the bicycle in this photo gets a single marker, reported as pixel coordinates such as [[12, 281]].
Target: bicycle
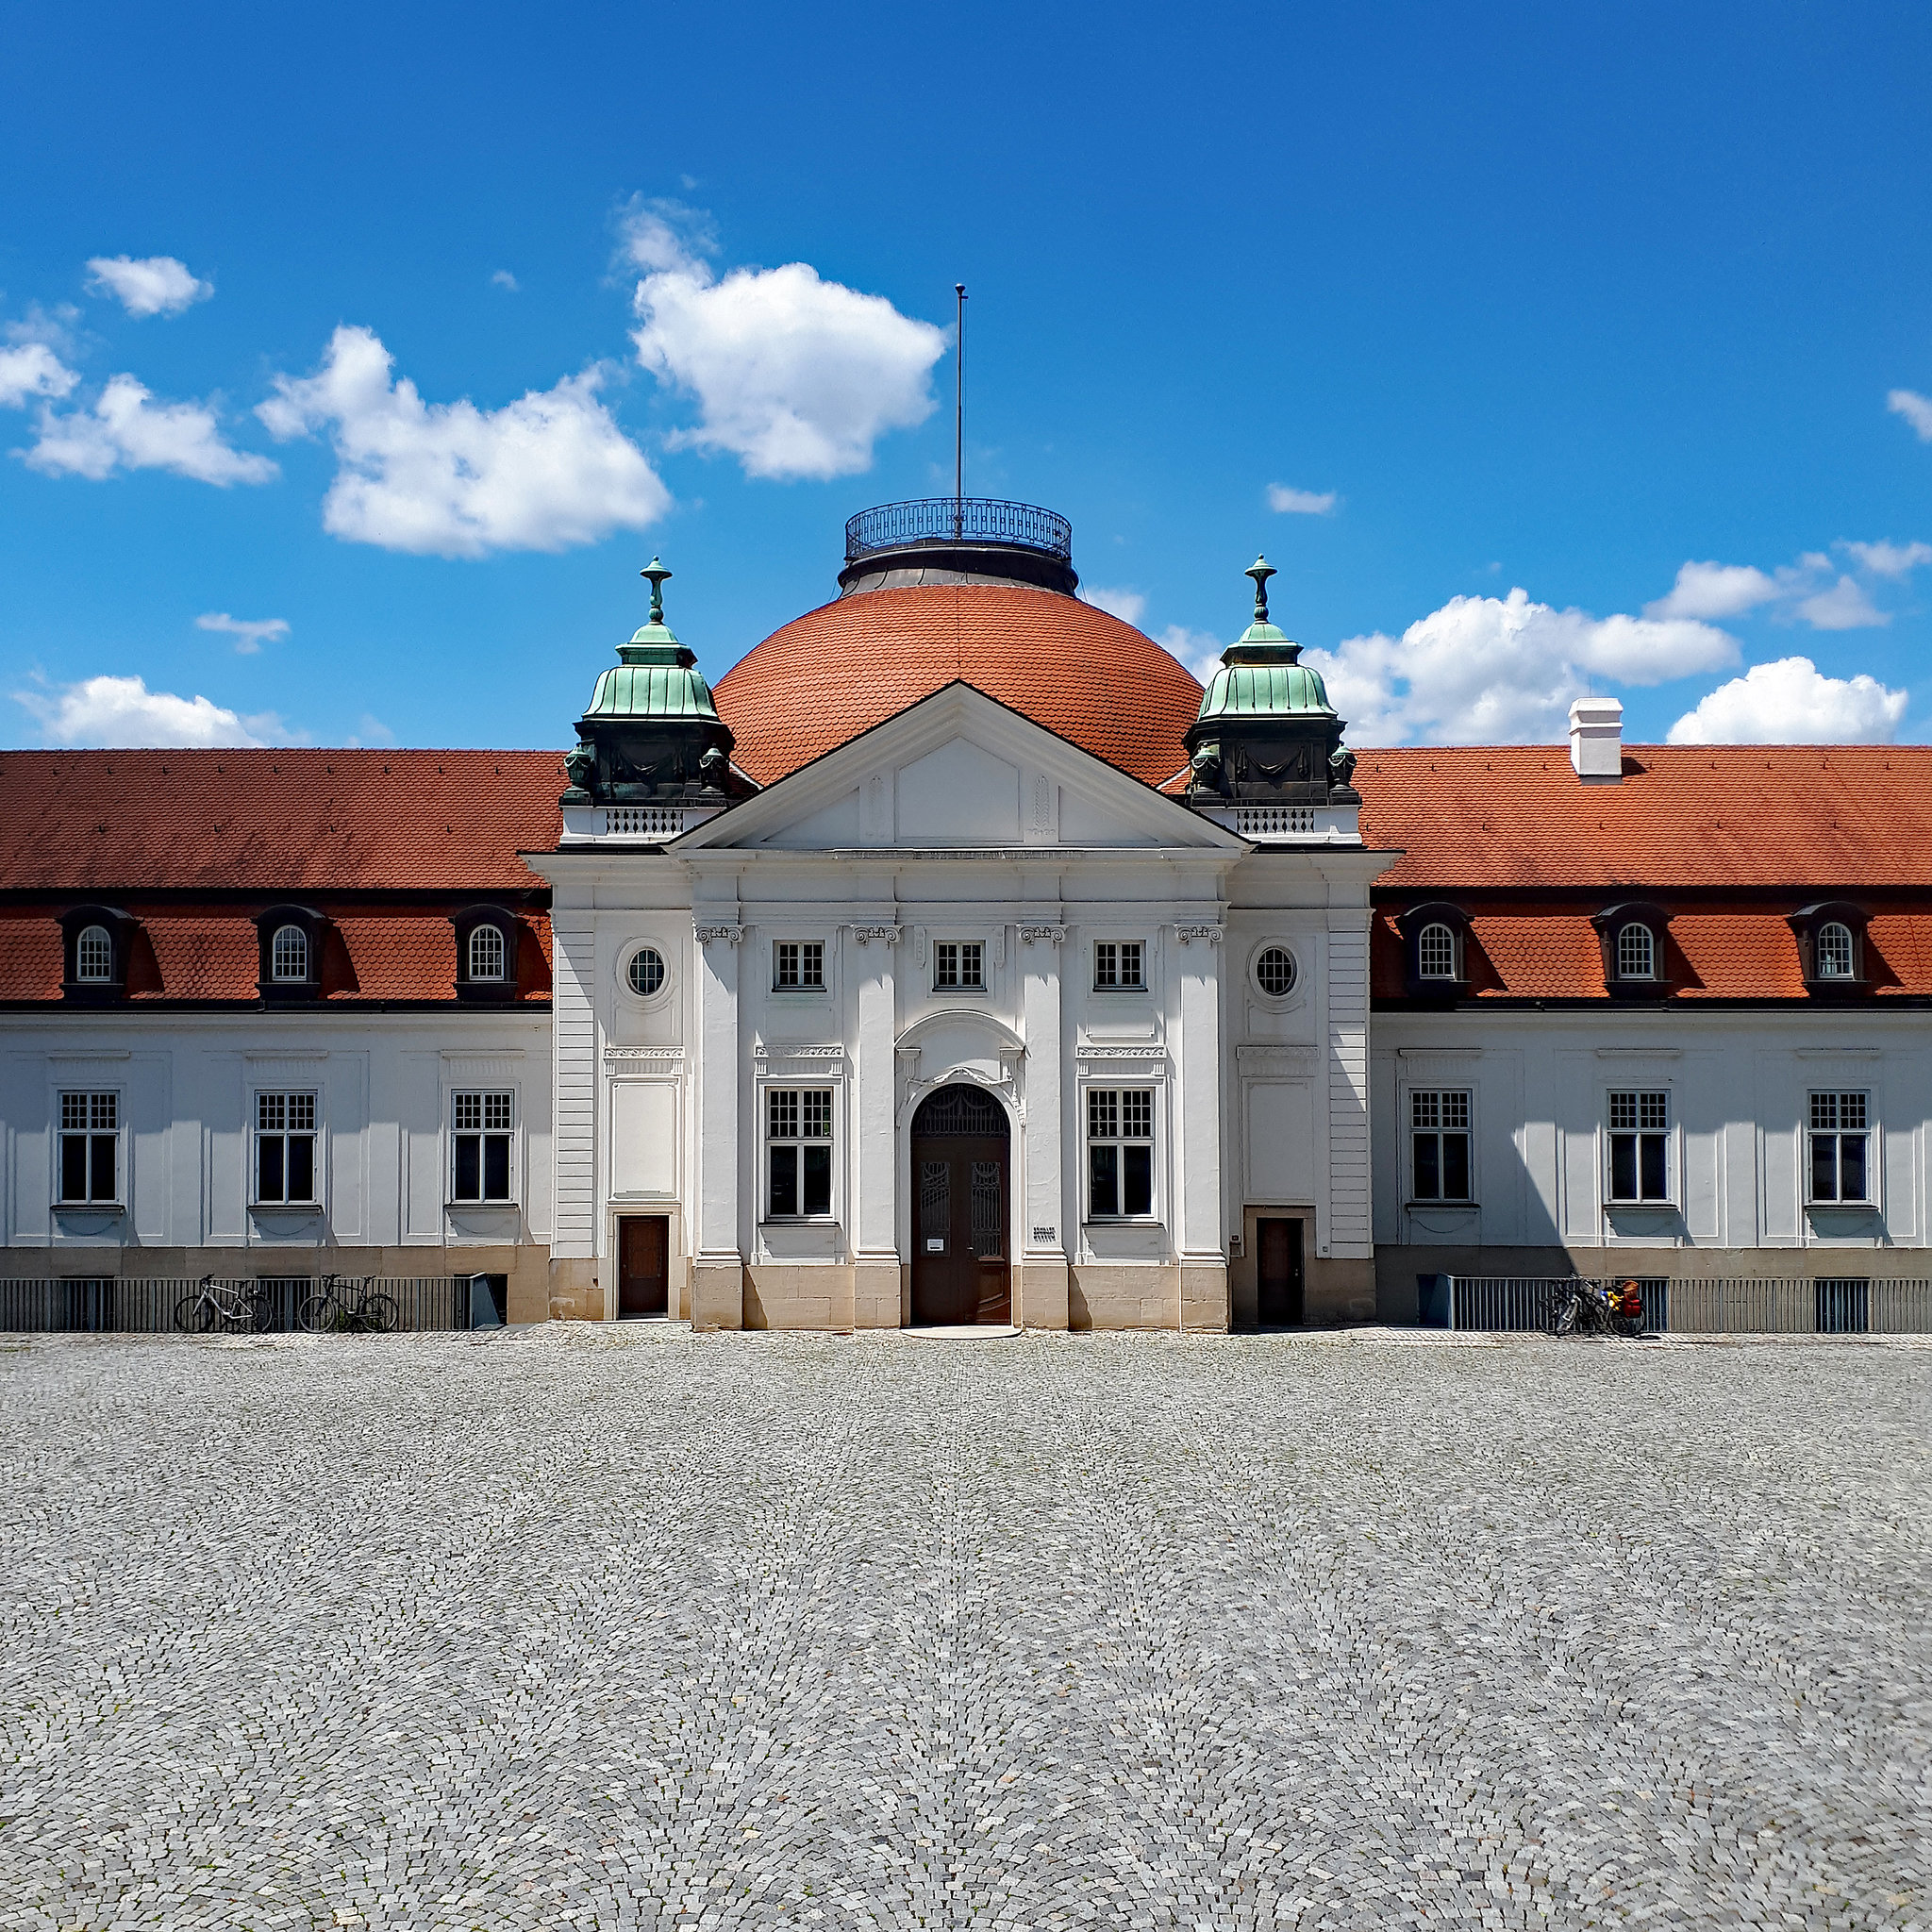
[[1584, 1307], [223, 1304], [334, 1306]]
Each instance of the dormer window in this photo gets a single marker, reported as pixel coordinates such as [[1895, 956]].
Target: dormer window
[[486, 953], [1435, 951], [290, 955], [1632, 938], [1636, 952], [1831, 949], [95, 941], [486, 939]]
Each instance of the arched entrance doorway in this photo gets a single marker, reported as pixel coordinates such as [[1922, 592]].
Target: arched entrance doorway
[[960, 1166]]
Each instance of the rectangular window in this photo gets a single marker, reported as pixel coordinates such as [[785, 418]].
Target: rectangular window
[[1438, 1124], [480, 1146], [798, 965], [1120, 1152], [1840, 1171], [90, 1146], [1641, 1146], [1117, 966], [284, 1148], [799, 1129], [958, 962]]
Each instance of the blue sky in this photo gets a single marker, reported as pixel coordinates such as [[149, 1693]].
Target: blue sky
[[1556, 301]]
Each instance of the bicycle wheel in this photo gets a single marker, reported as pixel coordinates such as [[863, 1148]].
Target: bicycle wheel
[[379, 1315], [194, 1314], [317, 1314]]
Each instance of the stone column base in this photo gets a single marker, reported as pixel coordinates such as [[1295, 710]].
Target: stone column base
[[1204, 1297], [1040, 1294], [717, 1293], [875, 1293]]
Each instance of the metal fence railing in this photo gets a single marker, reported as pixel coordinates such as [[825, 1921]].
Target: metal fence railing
[[103, 1305], [1809, 1305]]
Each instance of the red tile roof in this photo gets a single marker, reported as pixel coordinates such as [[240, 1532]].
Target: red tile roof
[[1508, 817], [296, 822], [844, 666]]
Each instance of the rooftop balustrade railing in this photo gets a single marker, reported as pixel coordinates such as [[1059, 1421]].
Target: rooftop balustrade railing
[[958, 520]]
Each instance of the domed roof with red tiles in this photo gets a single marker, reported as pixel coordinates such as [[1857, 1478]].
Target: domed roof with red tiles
[[842, 667]]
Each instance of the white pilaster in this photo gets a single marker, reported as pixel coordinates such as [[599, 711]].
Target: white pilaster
[[574, 1056], [875, 1140], [718, 1266], [1348, 1234]]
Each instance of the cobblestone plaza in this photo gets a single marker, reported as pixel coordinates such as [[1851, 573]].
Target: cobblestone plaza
[[613, 1629]]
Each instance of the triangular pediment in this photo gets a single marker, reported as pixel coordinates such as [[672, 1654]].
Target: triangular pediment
[[957, 771]]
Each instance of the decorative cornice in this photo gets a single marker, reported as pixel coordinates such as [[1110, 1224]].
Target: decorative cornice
[[648, 1055], [1149, 1053], [708, 933], [1054, 934], [780, 1051], [864, 934], [1212, 934]]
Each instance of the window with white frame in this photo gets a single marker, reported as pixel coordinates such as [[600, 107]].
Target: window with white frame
[[1833, 953], [1439, 1144], [1840, 1135], [481, 1135], [1120, 1152], [1641, 1146], [646, 972], [89, 1147], [959, 963], [798, 965], [1276, 972], [284, 1148], [93, 955], [798, 1133], [1636, 952], [486, 952], [1119, 966], [1435, 952], [289, 954]]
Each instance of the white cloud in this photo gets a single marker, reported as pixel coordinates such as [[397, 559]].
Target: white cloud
[[1500, 670], [1714, 590], [1199, 650], [1843, 607], [370, 732], [504, 279], [1915, 408], [1125, 604], [32, 369], [1792, 702], [154, 284], [1306, 503], [249, 634], [449, 479], [794, 377], [1891, 559], [121, 710], [128, 430]]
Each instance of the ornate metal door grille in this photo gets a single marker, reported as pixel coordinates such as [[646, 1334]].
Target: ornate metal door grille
[[989, 1230]]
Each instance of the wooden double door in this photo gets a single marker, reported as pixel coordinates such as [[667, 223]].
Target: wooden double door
[[960, 1270]]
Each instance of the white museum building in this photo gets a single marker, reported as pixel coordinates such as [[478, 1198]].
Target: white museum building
[[961, 960]]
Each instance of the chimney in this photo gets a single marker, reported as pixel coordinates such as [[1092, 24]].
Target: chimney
[[1596, 740]]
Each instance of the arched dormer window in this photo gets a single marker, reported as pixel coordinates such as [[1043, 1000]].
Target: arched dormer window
[[1632, 937], [1831, 949], [96, 944], [1435, 951], [290, 939], [486, 939], [289, 955]]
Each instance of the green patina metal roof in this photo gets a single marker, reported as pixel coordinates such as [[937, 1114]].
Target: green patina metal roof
[[655, 676], [1260, 675]]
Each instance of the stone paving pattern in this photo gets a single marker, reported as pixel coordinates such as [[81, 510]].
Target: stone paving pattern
[[579, 1627]]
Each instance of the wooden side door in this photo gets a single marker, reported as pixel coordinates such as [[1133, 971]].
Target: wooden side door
[[1278, 1273], [644, 1264]]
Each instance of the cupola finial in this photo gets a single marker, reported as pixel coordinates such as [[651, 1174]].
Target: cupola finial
[[1260, 570], [657, 572]]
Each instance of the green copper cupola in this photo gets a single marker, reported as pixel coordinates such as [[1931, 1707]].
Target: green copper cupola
[[1266, 732], [651, 731]]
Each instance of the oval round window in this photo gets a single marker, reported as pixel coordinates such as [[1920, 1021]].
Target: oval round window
[[646, 972], [1275, 972]]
